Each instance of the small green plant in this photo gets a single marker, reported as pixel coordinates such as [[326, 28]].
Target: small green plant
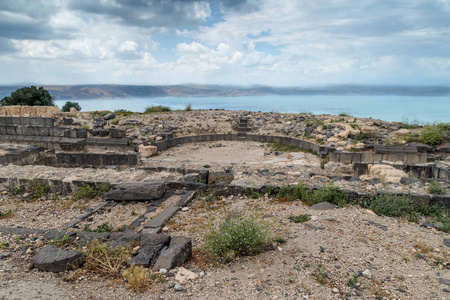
[[124, 203], [103, 259], [332, 194], [6, 214], [279, 240], [101, 113], [123, 112], [403, 206], [353, 280], [324, 126], [16, 191], [344, 114], [188, 107], [115, 121], [434, 134], [89, 191], [251, 193], [239, 234], [299, 219], [4, 245], [59, 241], [38, 189], [157, 109], [435, 187], [133, 213], [362, 136], [85, 126], [321, 274], [354, 126]]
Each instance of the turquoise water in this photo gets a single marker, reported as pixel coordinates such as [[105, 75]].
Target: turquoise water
[[388, 108]]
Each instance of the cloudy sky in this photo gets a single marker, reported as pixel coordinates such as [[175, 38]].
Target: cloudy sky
[[269, 42]]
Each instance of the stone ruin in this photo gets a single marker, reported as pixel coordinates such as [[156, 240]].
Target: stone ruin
[[48, 138]]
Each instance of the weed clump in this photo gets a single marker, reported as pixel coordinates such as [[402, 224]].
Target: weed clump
[[137, 278], [435, 187], [238, 235], [299, 219], [157, 109], [103, 259], [88, 191], [434, 134], [104, 227], [403, 206], [38, 189], [328, 193]]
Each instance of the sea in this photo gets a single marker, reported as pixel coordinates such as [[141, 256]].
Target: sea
[[425, 109]]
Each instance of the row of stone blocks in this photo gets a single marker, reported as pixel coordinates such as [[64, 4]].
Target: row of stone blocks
[[95, 159], [370, 157], [27, 121], [32, 130], [22, 156]]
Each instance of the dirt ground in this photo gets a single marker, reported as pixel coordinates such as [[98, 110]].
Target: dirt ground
[[316, 261]]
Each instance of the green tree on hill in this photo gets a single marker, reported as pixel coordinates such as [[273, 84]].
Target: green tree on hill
[[31, 96]]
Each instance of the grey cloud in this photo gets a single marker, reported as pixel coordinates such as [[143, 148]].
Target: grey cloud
[[6, 46], [22, 19], [242, 6], [151, 14]]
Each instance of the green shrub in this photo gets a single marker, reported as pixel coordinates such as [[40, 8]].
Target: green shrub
[[88, 191], [115, 121], [16, 191], [69, 104], [251, 193], [332, 194], [105, 260], [403, 206], [239, 234], [188, 107], [434, 134], [299, 219], [38, 189], [435, 187], [123, 112], [157, 109], [343, 114]]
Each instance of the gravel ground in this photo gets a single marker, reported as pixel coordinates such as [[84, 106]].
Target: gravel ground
[[405, 261]]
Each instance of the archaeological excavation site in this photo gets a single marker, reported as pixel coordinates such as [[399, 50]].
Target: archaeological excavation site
[[221, 204]]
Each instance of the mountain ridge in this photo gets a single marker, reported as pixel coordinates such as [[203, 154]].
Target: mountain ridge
[[111, 91]]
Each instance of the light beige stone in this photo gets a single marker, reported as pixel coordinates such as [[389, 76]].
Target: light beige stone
[[147, 151], [29, 111], [184, 275], [344, 134], [368, 129]]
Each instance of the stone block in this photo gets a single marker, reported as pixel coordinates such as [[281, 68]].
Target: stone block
[[179, 251], [367, 157], [151, 247], [147, 151], [346, 158], [40, 122], [133, 159], [52, 259], [114, 159], [49, 122], [161, 219], [135, 191], [82, 133], [43, 131], [15, 121]]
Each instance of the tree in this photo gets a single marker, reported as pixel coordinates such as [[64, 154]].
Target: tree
[[31, 96], [70, 104]]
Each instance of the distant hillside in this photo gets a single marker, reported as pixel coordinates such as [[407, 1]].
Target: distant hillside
[[74, 92]]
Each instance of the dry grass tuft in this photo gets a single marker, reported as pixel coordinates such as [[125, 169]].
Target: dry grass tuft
[[138, 278]]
